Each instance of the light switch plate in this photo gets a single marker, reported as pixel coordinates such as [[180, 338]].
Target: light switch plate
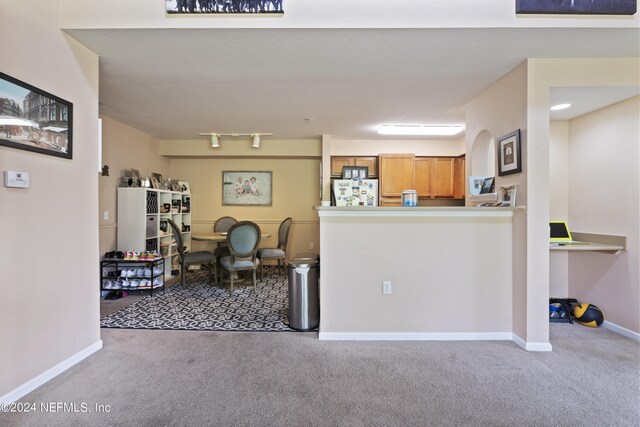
[[16, 179]]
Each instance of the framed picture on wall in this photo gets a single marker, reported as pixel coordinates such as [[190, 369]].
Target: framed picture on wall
[[246, 188], [355, 172], [225, 7], [34, 120], [509, 157]]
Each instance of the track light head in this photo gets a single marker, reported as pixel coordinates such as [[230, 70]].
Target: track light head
[[256, 140], [215, 141]]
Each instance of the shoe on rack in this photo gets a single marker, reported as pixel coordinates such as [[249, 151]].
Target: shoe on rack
[[107, 285], [147, 272], [157, 282], [125, 284], [134, 284], [116, 285]]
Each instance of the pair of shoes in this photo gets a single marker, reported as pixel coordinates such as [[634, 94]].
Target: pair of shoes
[[114, 255]]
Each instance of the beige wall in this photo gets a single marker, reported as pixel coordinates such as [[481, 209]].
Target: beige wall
[[296, 190], [123, 147], [49, 309], [498, 111], [604, 193], [321, 14], [559, 203]]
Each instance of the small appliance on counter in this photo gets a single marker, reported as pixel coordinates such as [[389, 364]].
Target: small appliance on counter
[[409, 198], [354, 192]]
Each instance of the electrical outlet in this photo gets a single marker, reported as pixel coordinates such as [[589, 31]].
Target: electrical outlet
[[386, 288], [310, 245], [106, 215]]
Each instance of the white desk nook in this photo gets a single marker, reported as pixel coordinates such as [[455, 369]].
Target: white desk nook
[[449, 273]]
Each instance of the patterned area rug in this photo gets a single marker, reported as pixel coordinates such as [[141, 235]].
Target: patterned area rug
[[200, 306]]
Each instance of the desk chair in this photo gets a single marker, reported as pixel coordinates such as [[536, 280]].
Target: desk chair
[[279, 253], [243, 239], [187, 258]]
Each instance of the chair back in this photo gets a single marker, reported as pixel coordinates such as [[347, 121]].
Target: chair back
[[243, 239], [223, 224], [283, 233], [177, 234]]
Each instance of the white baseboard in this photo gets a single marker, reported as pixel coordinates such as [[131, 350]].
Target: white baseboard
[[49, 374], [434, 336], [620, 330], [415, 336], [532, 346]]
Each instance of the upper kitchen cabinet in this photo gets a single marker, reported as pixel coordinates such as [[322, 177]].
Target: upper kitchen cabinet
[[337, 162], [435, 177], [397, 173]]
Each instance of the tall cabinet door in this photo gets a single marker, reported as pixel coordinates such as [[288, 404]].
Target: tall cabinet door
[[443, 183], [397, 173], [424, 172], [460, 178]]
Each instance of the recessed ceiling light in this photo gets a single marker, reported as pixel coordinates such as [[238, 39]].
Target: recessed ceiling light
[[420, 130], [559, 107]]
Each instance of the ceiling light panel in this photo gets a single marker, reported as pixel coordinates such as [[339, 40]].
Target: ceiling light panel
[[420, 130]]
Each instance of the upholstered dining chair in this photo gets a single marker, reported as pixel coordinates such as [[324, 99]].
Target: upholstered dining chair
[[279, 253], [243, 239], [222, 225], [188, 258]]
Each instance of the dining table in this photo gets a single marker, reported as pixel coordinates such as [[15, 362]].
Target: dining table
[[218, 237]]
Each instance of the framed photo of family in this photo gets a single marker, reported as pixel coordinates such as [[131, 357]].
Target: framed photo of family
[[246, 188], [509, 156]]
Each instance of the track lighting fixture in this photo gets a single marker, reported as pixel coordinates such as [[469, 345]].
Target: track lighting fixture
[[215, 137]]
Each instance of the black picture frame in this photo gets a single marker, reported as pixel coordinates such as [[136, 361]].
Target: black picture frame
[[488, 185], [509, 154], [261, 7], [32, 119], [577, 7], [355, 172]]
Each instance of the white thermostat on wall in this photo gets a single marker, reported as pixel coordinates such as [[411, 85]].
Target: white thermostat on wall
[[16, 179]]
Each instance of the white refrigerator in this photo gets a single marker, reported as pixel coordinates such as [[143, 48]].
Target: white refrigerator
[[350, 192]]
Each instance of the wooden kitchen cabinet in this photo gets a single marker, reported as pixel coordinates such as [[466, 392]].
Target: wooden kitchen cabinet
[[459, 177], [397, 173], [337, 162], [435, 177]]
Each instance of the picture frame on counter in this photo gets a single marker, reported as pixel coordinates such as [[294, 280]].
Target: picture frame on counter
[[488, 185], [355, 172], [507, 195], [509, 155], [34, 120]]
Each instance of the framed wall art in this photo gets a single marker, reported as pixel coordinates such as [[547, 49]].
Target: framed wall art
[[225, 6], [355, 172], [246, 188], [34, 120], [509, 157], [577, 7]]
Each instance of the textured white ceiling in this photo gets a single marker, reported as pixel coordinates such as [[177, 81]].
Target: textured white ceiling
[[176, 83]]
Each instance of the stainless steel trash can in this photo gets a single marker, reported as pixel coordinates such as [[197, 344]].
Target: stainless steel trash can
[[304, 306]]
